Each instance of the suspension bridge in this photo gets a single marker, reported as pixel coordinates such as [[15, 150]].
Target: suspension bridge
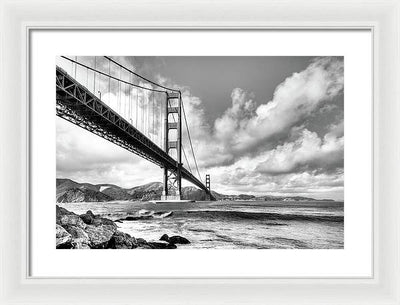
[[111, 100]]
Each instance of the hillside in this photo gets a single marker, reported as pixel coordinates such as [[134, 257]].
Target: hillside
[[83, 195], [72, 191]]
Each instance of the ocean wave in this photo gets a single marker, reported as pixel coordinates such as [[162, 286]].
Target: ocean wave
[[239, 215]]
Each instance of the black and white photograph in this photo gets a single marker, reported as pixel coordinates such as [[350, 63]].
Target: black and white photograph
[[199, 152]]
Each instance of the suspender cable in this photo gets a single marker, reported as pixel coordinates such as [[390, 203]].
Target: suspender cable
[[141, 114], [190, 141], [124, 97], [115, 78], [184, 154], [129, 101], [142, 77], [153, 117], [109, 83], [94, 73], [119, 92], [137, 102]]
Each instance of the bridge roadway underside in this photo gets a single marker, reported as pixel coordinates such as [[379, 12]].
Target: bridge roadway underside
[[78, 105]]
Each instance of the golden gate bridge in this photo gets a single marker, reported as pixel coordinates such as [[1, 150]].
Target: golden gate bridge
[[118, 104]]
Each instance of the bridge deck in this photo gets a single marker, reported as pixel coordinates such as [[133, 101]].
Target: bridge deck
[[78, 105]]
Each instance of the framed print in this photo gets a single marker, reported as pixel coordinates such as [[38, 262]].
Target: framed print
[[240, 155], [117, 192]]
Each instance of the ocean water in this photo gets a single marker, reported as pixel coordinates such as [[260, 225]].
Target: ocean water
[[230, 224]]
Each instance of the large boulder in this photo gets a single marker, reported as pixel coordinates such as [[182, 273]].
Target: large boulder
[[142, 244], [122, 240], [65, 217], [88, 217], [63, 238], [91, 219], [80, 239], [178, 240], [100, 235], [165, 237], [99, 221]]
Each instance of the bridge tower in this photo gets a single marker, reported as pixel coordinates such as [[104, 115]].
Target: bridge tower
[[208, 195], [173, 146]]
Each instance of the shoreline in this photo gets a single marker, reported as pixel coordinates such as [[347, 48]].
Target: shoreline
[[219, 225], [90, 231]]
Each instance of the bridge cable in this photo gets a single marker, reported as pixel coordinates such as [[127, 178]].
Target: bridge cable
[[138, 75], [190, 140], [113, 77]]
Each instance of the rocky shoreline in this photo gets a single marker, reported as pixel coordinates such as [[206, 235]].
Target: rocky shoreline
[[89, 231]]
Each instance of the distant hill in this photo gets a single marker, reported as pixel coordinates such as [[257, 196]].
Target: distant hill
[[115, 192], [83, 195], [72, 191], [149, 191]]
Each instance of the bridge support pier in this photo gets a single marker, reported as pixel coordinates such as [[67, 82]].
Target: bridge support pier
[[172, 186]]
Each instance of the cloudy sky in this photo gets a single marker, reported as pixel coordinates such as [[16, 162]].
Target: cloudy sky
[[259, 125]]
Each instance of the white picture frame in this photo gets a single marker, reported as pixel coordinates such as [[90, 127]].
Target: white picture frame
[[19, 18]]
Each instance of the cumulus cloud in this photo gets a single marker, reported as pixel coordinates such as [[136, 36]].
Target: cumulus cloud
[[244, 127], [307, 153]]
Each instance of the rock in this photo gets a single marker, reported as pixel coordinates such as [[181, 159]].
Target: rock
[[121, 240], [143, 244], [100, 235], [80, 239], [178, 240], [65, 217], [73, 220], [161, 245], [63, 238], [81, 246], [141, 241], [98, 221], [165, 237], [175, 239], [91, 219], [61, 212], [88, 231], [88, 217]]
